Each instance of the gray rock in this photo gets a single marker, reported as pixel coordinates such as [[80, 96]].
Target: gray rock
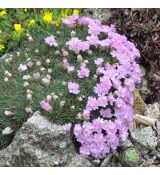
[[158, 127], [145, 137], [106, 161], [153, 111], [98, 13], [41, 143], [143, 87], [126, 144]]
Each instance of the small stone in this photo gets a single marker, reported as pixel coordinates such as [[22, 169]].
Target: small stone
[[145, 137], [63, 145]]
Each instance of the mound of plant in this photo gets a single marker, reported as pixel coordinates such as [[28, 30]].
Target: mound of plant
[[142, 27], [81, 76]]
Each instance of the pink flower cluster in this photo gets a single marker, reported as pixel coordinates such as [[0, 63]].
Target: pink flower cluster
[[66, 65], [112, 96], [99, 137], [46, 106], [70, 22], [83, 72], [51, 41], [73, 88], [78, 45]]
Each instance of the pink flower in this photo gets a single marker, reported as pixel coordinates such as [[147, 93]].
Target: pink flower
[[36, 75], [70, 22], [83, 72], [65, 63], [50, 40], [22, 68], [92, 103], [73, 88], [106, 113], [98, 61], [46, 106], [67, 126], [70, 69], [86, 114], [78, 45]]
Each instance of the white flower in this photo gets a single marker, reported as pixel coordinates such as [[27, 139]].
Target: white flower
[[6, 79], [38, 63], [49, 71], [48, 61]]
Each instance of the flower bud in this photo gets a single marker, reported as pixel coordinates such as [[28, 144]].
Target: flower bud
[[49, 98], [26, 84], [9, 113], [62, 103]]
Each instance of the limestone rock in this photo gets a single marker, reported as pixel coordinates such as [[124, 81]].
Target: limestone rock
[[106, 160], [145, 137], [126, 144], [98, 13], [153, 111], [143, 87], [41, 143]]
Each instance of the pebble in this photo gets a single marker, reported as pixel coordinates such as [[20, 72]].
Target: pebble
[[63, 145]]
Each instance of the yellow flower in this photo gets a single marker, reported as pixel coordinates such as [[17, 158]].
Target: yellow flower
[[75, 11], [17, 27], [2, 13], [25, 10], [31, 22], [1, 47], [48, 16]]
